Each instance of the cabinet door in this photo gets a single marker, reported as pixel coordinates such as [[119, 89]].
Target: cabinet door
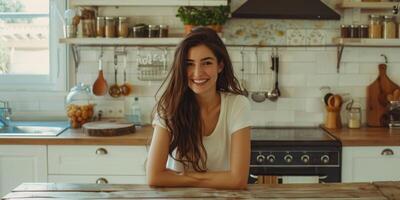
[[365, 164], [21, 163], [98, 179], [95, 160]]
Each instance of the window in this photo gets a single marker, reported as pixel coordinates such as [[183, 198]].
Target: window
[[30, 56]]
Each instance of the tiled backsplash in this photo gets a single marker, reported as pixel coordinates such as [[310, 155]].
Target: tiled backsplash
[[303, 71]]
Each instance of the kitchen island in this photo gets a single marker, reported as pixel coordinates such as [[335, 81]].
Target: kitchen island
[[359, 191]]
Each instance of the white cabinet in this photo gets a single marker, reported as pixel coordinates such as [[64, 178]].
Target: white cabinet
[[21, 163], [90, 163], [365, 164], [148, 2]]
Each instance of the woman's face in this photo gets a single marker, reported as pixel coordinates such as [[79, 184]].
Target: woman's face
[[202, 70]]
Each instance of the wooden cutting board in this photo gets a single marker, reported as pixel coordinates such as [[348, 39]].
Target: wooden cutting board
[[377, 92], [108, 128]]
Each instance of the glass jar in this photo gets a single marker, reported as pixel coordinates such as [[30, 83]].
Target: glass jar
[[354, 117], [122, 27], [110, 27], [79, 105], [100, 26], [375, 26], [140, 31], [344, 31], [89, 28], [154, 31], [354, 31], [70, 26], [389, 27], [363, 31], [163, 31]]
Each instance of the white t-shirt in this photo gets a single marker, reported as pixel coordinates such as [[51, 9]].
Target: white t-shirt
[[234, 115]]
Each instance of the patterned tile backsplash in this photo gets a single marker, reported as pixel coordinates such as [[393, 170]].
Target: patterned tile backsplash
[[303, 71]]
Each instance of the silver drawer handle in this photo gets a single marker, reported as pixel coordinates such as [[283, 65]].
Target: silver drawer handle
[[101, 181], [101, 151], [387, 152]]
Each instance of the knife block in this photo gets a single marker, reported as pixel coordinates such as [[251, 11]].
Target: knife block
[[333, 119]]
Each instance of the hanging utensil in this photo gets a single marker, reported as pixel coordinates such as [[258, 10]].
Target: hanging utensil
[[100, 85], [258, 96], [125, 88], [275, 93], [115, 90], [242, 81]]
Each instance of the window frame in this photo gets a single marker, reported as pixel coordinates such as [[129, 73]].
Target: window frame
[[57, 80]]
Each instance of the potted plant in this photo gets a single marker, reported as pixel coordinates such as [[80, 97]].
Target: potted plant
[[213, 17]]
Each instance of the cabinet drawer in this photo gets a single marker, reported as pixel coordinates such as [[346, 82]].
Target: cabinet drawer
[[95, 160], [97, 179]]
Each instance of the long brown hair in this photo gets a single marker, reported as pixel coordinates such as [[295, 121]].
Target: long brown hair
[[178, 106]]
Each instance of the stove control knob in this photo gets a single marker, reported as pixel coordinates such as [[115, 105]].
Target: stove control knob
[[325, 159], [271, 158], [305, 158], [288, 158], [260, 159]]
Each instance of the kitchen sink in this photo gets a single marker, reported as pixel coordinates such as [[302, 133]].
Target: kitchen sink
[[33, 129]]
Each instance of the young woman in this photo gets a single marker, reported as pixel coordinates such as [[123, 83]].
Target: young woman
[[201, 126]]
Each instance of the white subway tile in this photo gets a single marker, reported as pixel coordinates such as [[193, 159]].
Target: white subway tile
[[354, 80], [322, 80]]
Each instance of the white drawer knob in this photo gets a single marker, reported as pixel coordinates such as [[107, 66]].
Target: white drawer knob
[[101, 151], [101, 181]]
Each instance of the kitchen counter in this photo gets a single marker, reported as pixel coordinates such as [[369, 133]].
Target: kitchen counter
[[360, 191], [367, 136], [142, 136]]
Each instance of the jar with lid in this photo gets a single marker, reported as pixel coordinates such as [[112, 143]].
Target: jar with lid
[[70, 25], [354, 117], [140, 31], [375, 26], [100, 27], [363, 31], [389, 27], [122, 27], [110, 27], [79, 105], [344, 31], [354, 31], [163, 31], [154, 31]]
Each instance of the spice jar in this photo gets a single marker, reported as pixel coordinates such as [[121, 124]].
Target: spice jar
[[363, 31], [375, 26], [154, 31], [110, 27], [140, 30], [79, 105], [344, 31], [354, 117], [163, 31], [100, 26], [354, 31], [122, 27], [389, 27]]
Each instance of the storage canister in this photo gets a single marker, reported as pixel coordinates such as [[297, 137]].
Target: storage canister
[[344, 31], [140, 31], [375, 26], [354, 31], [79, 105], [110, 27], [154, 31], [363, 31], [122, 27], [389, 27], [163, 31], [100, 26]]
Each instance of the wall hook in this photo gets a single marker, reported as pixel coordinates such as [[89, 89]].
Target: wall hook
[[385, 57]]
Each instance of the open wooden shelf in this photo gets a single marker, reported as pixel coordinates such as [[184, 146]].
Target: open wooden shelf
[[121, 41], [148, 2], [367, 5]]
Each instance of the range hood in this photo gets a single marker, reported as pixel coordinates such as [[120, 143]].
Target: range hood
[[286, 9]]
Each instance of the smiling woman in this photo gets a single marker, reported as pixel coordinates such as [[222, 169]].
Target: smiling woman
[[201, 125], [30, 56]]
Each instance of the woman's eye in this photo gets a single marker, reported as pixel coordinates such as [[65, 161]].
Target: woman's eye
[[207, 63], [190, 64]]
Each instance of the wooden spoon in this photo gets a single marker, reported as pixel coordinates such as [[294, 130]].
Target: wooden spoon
[[100, 85]]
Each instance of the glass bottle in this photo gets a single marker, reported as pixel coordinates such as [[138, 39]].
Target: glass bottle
[[79, 105], [134, 113]]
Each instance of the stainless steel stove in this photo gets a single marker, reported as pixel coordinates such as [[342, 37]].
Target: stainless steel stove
[[295, 151]]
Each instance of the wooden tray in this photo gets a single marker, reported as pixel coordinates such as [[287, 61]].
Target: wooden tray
[[108, 128]]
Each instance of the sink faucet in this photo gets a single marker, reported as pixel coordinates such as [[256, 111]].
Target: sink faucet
[[5, 114]]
